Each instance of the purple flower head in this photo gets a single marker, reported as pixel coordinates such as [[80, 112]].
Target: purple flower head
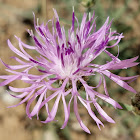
[[69, 62]]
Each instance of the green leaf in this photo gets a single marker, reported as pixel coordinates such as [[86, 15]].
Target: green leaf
[[126, 107]]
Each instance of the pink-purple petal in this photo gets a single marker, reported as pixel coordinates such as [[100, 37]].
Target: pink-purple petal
[[103, 113], [78, 116], [119, 81]]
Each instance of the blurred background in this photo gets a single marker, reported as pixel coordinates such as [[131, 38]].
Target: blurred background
[[16, 17]]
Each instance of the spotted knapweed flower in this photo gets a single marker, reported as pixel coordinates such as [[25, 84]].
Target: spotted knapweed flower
[[68, 61]]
